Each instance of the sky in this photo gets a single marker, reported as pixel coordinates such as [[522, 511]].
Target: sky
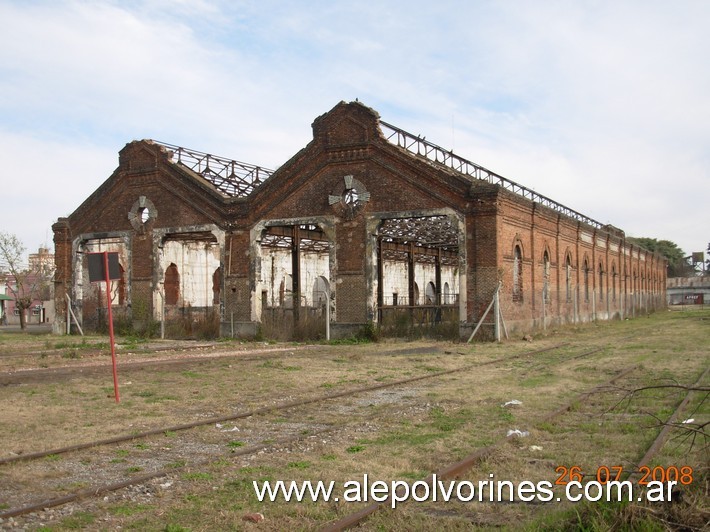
[[603, 106]]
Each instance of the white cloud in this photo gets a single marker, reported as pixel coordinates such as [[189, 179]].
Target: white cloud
[[601, 106], [43, 180]]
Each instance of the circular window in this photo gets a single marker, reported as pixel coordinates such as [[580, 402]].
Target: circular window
[[141, 213]]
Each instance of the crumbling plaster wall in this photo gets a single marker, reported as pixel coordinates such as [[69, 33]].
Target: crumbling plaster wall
[[276, 268], [396, 281], [196, 264], [88, 297], [313, 265], [198, 252]]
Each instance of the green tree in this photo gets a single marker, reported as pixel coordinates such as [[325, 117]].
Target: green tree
[[678, 265]]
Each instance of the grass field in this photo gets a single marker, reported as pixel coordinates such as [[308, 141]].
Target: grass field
[[403, 432]]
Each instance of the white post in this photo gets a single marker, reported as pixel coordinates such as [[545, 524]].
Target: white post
[[496, 311], [480, 322], [574, 302], [162, 315], [71, 312], [326, 293], [327, 314], [544, 325], [502, 322]]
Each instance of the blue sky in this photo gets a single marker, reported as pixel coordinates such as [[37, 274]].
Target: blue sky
[[603, 106]]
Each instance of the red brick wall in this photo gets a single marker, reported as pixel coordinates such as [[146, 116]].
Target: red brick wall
[[537, 229], [347, 141]]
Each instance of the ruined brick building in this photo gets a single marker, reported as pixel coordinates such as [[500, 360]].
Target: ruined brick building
[[380, 223]]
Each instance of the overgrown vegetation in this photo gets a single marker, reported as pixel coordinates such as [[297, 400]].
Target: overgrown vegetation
[[403, 432], [278, 324], [439, 323], [136, 322], [198, 325]]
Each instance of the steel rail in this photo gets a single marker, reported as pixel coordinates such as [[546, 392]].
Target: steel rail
[[597, 389], [259, 411], [99, 490], [21, 375], [456, 469], [140, 479], [657, 444]]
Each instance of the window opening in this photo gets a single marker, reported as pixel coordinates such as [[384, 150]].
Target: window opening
[[546, 277], [172, 285], [216, 285], [601, 282], [568, 277], [517, 274]]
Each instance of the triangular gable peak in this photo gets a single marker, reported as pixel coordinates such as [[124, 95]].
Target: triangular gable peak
[[348, 147], [352, 124], [346, 124]]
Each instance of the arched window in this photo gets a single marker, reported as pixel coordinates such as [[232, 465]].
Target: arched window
[[568, 277], [172, 285], [447, 294], [546, 277], [321, 291], [216, 285], [286, 291], [613, 282], [430, 293], [585, 271], [517, 274], [416, 295], [601, 282]]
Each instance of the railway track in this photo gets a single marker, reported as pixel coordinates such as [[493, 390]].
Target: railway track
[[458, 469], [267, 409], [47, 502], [71, 371], [144, 360], [156, 437]]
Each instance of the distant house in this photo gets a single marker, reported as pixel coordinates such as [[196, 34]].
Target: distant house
[[37, 283], [4, 298], [688, 290], [42, 261]]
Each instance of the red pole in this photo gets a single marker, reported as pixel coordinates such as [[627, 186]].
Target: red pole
[[110, 328]]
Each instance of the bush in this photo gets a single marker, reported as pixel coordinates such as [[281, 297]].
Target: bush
[[368, 332]]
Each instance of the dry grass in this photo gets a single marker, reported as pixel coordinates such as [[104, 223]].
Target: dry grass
[[402, 433]]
